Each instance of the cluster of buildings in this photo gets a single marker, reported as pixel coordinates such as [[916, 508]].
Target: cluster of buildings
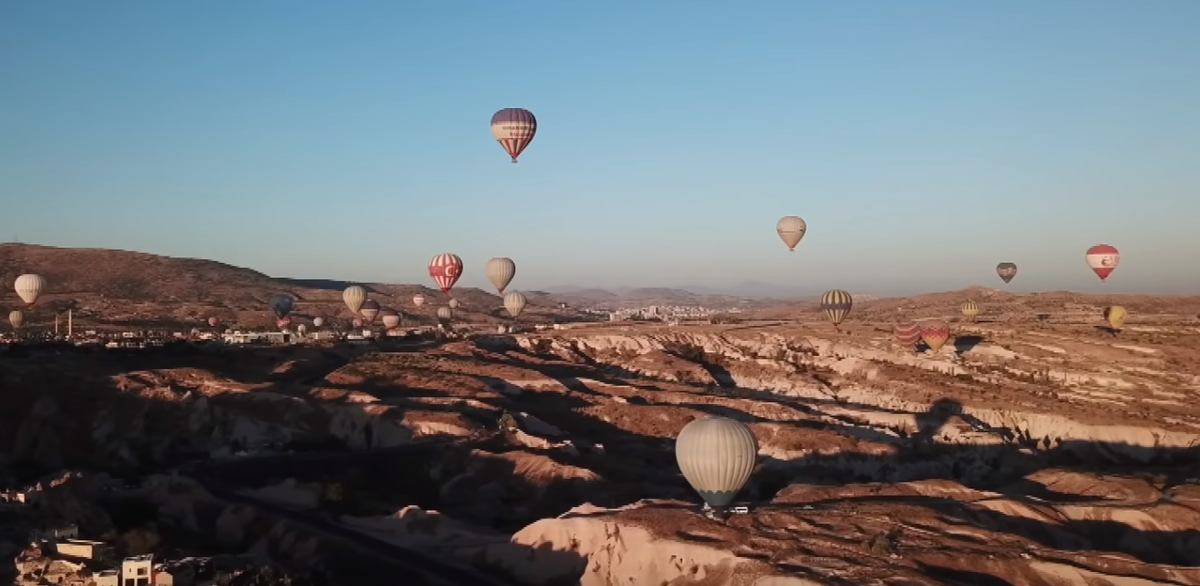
[[662, 312], [54, 552], [59, 556]]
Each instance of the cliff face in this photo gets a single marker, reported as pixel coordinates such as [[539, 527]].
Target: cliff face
[[881, 379], [88, 409]]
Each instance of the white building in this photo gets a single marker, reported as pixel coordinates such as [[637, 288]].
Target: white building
[[240, 337], [137, 570]]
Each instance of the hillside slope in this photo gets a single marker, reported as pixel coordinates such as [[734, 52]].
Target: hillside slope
[[133, 289]]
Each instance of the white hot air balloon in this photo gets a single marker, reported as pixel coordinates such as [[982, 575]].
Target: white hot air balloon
[[29, 287], [354, 296], [16, 318], [791, 230], [445, 313], [716, 456], [500, 271], [318, 321], [390, 318], [514, 302], [418, 300], [454, 304], [301, 329]]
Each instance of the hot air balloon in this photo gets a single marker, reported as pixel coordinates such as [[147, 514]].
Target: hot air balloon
[[370, 309], [301, 329], [390, 318], [514, 302], [281, 304], [791, 230], [1007, 271], [716, 456], [1103, 260], [514, 129], [836, 304], [418, 300], [29, 287], [445, 313], [357, 323], [935, 333], [318, 321], [16, 318], [970, 309], [453, 304], [212, 322], [1115, 316], [445, 269], [354, 296], [500, 271], [908, 334]]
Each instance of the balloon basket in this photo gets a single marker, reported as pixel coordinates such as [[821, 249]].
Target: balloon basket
[[722, 513]]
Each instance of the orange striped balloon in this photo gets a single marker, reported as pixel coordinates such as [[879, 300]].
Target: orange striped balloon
[[935, 334], [908, 334]]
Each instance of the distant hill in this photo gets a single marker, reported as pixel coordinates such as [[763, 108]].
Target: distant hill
[[996, 304], [123, 288], [643, 296]]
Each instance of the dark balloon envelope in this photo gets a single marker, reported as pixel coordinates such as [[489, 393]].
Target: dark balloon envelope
[[1007, 271]]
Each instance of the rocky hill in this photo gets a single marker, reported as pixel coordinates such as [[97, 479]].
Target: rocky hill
[[132, 289], [998, 305]]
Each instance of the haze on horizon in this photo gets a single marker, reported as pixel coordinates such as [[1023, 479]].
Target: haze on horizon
[[922, 141]]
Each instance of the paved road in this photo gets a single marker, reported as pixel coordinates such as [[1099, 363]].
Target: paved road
[[411, 565]]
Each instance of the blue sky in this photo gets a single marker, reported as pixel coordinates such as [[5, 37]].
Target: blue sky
[[923, 141]]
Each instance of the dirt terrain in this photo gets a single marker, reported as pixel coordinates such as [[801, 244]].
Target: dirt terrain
[[1022, 453], [1036, 447]]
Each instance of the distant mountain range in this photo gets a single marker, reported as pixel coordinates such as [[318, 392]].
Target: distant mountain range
[[755, 290]]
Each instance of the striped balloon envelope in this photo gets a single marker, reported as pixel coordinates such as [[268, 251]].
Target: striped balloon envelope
[[500, 271], [1103, 259], [971, 310], [908, 334], [29, 287], [354, 296], [514, 129], [836, 304], [369, 310], [445, 269], [716, 455], [935, 333]]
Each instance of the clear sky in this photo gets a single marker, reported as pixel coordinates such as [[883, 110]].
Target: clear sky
[[923, 141]]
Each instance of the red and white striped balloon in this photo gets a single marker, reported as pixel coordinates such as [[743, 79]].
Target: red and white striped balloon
[[445, 269], [1103, 259]]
